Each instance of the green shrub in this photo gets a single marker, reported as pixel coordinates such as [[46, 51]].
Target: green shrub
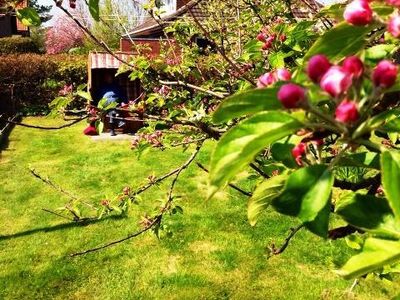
[[18, 44], [39, 78]]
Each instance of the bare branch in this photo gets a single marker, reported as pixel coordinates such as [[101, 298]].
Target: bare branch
[[157, 219], [276, 251], [195, 87], [230, 184], [49, 127]]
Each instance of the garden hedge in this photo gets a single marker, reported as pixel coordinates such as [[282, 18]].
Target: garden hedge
[[39, 78]]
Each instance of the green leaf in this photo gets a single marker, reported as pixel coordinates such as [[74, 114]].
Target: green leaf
[[28, 16], [321, 223], [282, 152], [392, 126], [248, 102], [84, 95], [390, 162], [277, 60], [354, 241], [368, 213], [375, 254], [263, 195], [363, 159], [379, 52], [238, 147], [94, 9], [307, 192], [341, 41]]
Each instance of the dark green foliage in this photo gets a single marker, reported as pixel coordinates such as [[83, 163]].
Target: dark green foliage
[[17, 44], [37, 79]]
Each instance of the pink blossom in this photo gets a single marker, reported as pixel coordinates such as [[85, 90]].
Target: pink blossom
[[317, 66], [266, 79], [385, 74], [63, 36], [394, 26], [298, 151], [291, 95], [347, 112], [283, 74], [358, 12], [393, 2], [354, 66], [261, 37], [336, 81]]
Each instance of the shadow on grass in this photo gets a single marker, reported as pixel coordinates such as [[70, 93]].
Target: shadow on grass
[[56, 227]]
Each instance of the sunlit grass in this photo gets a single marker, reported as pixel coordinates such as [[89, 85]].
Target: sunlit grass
[[213, 254]]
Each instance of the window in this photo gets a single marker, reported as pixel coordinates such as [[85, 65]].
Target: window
[[169, 6]]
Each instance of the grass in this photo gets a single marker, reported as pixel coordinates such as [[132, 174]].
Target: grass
[[213, 253]]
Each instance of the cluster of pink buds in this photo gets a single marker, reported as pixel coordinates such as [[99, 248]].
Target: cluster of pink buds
[[270, 78], [360, 13], [172, 61], [105, 202], [164, 90], [336, 80], [269, 39], [155, 139], [126, 191], [67, 89]]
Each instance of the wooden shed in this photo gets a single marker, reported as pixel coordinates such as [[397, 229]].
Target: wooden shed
[[101, 64]]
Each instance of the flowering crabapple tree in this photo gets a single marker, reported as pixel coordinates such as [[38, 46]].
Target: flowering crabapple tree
[[310, 106], [63, 36], [337, 110]]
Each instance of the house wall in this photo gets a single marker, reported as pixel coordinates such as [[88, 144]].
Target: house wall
[[126, 46], [180, 3]]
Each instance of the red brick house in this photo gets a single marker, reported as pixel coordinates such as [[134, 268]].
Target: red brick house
[[9, 24], [151, 32]]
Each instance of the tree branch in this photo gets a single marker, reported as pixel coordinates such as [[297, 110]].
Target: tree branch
[[47, 128], [248, 194], [276, 251], [154, 221]]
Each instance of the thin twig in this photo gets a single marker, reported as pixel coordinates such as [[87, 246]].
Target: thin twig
[[230, 184], [221, 51], [157, 219], [277, 251], [194, 87]]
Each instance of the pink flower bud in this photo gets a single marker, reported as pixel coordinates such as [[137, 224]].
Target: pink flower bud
[[385, 74], [266, 79], [394, 26], [282, 38], [283, 74], [291, 95], [298, 151], [267, 45], [354, 66], [393, 2], [317, 66], [336, 81], [358, 13], [261, 37], [347, 112]]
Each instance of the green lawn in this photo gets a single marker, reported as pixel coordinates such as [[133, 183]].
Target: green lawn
[[213, 254]]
